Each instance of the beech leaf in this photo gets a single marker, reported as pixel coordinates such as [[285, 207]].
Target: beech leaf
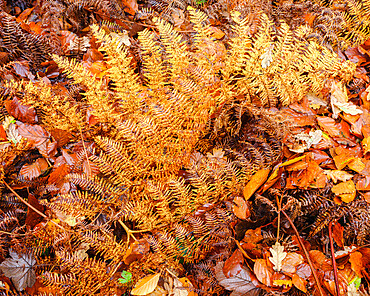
[[278, 255], [20, 269], [146, 285], [240, 284]]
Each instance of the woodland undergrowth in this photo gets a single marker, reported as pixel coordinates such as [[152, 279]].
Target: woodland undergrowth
[[184, 148]]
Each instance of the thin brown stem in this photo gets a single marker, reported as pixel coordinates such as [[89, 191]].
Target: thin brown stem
[[303, 248], [333, 258]]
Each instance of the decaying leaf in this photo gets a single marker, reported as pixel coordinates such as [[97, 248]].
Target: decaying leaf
[[240, 208], [312, 138], [278, 255], [20, 269], [146, 285], [339, 101]]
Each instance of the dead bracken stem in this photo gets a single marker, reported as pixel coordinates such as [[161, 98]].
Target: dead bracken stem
[[303, 248]]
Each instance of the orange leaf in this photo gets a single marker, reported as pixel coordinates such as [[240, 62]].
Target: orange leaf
[[299, 283], [216, 33], [346, 190], [255, 182], [366, 144], [146, 285], [290, 262], [356, 263], [31, 171], [329, 125], [240, 208], [136, 251], [356, 165], [263, 272]]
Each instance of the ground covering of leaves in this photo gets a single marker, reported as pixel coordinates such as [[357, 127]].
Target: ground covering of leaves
[[326, 155]]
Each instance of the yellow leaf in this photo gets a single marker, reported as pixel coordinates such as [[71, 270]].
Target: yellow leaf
[[146, 285], [294, 160], [346, 190], [255, 182], [216, 33], [281, 283]]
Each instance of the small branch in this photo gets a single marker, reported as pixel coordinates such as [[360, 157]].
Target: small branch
[[32, 207], [306, 254], [333, 259]]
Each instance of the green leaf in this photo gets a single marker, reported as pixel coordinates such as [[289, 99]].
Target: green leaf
[[126, 277], [356, 281]]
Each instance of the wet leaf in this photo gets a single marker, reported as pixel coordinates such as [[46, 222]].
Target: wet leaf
[[299, 283], [21, 112], [136, 251], [20, 269], [146, 285], [31, 171], [290, 262]]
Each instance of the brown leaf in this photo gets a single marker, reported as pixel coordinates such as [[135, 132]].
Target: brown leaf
[[240, 208], [21, 112], [328, 125], [136, 251], [58, 174], [320, 261], [233, 265], [263, 272], [241, 284], [253, 236], [33, 218], [31, 171], [130, 6], [338, 234], [290, 262]]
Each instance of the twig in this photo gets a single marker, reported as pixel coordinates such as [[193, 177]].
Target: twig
[[306, 254], [333, 258], [32, 207]]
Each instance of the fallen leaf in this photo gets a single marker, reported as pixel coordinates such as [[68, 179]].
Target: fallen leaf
[[290, 262], [21, 112], [239, 284], [328, 124], [240, 208], [339, 100], [356, 165], [278, 255], [34, 170], [263, 272], [346, 190], [299, 283], [20, 269], [338, 234], [366, 144], [233, 265], [146, 285], [255, 182], [136, 251], [338, 175], [355, 259]]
